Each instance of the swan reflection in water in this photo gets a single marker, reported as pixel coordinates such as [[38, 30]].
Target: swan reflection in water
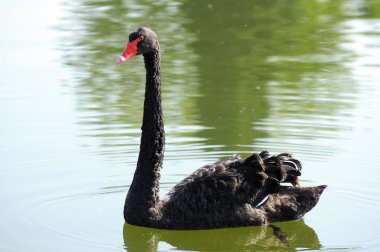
[[299, 235]]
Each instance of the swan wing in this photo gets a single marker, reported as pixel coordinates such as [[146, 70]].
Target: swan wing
[[228, 192]]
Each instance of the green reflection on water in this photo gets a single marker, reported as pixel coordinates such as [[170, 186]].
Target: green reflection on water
[[299, 235], [257, 56], [241, 75]]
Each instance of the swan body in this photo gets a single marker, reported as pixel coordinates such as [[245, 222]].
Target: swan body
[[231, 193]]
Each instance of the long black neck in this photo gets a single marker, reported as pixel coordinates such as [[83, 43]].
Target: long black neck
[[141, 206]]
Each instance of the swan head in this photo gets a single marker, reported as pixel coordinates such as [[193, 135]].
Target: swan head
[[141, 41]]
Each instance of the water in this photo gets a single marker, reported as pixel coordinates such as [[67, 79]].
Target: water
[[237, 77]]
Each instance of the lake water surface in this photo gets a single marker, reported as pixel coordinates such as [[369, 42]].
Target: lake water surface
[[238, 77]]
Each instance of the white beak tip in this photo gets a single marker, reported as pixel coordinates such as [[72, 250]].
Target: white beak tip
[[120, 59]]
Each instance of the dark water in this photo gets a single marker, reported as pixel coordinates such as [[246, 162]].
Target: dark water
[[238, 77]]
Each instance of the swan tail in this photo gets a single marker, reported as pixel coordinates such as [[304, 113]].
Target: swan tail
[[291, 203]]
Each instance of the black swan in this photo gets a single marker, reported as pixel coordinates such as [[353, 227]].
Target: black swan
[[231, 193]]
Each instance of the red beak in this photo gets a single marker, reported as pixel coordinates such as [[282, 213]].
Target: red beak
[[130, 51]]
